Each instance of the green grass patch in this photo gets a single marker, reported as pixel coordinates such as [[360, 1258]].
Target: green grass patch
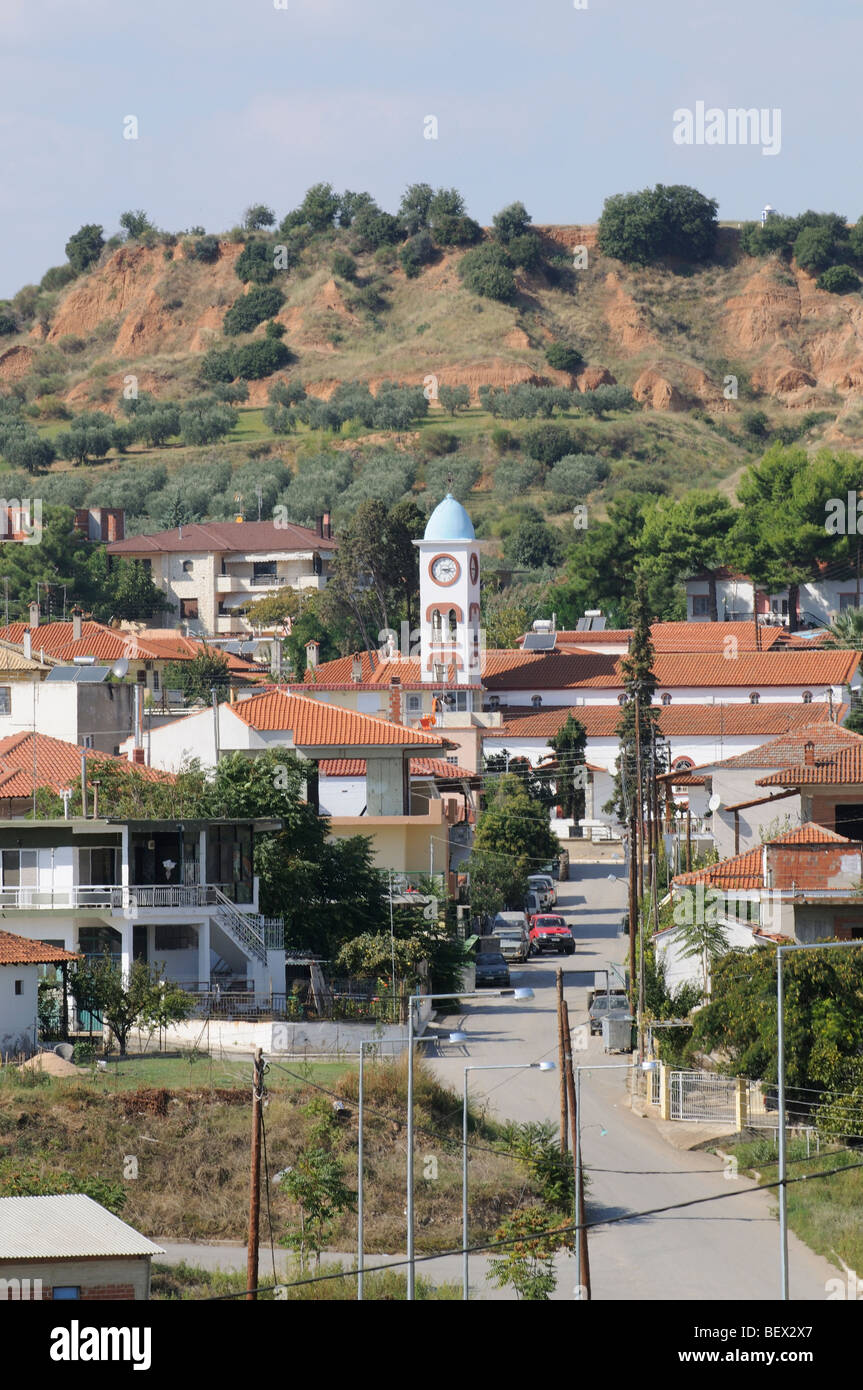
[[183, 1281]]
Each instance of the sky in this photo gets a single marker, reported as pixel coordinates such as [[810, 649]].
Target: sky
[[558, 103]]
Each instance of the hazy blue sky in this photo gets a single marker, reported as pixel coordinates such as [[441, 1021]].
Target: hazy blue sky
[[238, 101]]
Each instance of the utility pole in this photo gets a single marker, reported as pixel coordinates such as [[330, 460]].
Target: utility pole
[[581, 1234], [561, 1061], [639, 799], [215, 694], [255, 1178]]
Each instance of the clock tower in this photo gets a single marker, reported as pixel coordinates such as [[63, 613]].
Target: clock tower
[[449, 597]]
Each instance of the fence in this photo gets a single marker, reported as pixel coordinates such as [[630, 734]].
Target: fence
[[297, 1008], [705, 1097]]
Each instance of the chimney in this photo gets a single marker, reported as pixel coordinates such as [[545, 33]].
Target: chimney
[[320, 521], [137, 755], [327, 527], [357, 670], [28, 644], [396, 700], [77, 630], [313, 651], [34, 614], [809, 754]]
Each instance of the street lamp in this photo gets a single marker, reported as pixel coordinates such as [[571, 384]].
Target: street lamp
[[456, 1037], [496, 1066], [523, 993], [780, 1043]]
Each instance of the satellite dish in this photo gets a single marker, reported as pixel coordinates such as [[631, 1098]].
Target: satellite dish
[[120, 668], [714, 803]]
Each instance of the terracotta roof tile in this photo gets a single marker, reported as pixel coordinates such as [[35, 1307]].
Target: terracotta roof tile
[[685, 637], [839, 768], [789, 748], [225, 536], [58, 764], [707, 721], [420, 767], [747, 870], [19, 950], [313, 722]]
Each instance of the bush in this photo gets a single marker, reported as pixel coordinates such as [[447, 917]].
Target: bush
[[575, 475], [513, 477], [525, 251], [547, 443], [8, 322], [465, 475], [216, 365], [533, 545], [839, 279], [439, 443], [136, 224], [416, 253], [343, 265], [487, 271], [205, 248], [375, 228], [606, 398], [259, 303], [83, 1052], [84, 247], [511, 222], [452, 230], [756, 424], [814, 248], [256, 262], [71, 343], [57, 277], [502, 440], [672, 220], [563, 358], [259, 359]]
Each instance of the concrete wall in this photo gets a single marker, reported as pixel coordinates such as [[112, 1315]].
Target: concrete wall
[[70, 710], [733, 785], [123, 1278], [193, 736], [287, 1039], [18, 1011], [417, 844]]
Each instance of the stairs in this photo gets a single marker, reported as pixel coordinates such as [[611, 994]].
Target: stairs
[[254, 934]]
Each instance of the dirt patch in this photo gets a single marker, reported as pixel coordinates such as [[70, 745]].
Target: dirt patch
[[655, 390], [590, 377], [626, 320], [50, 1064], [517, 338], [16, 362]]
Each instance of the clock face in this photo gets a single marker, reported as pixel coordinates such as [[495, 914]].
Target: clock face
[[474, 569], [445, 569]]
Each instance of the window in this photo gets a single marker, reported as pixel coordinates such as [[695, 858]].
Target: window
[[141, 677], [437, 624], [65, 1291], [263, 570], [155, 680], [701, 605], [173, 938], [5, 699], [188, 566], [807, 697], [87, 740], [415, 704], [494, 702], [847, 601], [666, 698], [439, 673], [19, 868], [188, 608], [97, 865], [754, 698], [452, 624], [536, 701], [621, 699], [19, 986]]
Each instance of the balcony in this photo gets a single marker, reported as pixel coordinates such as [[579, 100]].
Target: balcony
[[115, 898]]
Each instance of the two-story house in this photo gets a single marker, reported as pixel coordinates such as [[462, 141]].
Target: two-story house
[[213, 570]]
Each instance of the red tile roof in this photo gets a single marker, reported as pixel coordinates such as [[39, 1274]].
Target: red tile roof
[[314, 723], [707, 721], [747, 870], [840, 768], [225, 536], [685, 637], [110, 644], [58, 764], [19, 950], [789, 748], [420, 767]]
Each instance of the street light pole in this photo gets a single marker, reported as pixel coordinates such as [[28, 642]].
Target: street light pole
[[780, 1070], [421, 999], [495, 1066]]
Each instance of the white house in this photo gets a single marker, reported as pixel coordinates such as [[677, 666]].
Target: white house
[[22, 961]]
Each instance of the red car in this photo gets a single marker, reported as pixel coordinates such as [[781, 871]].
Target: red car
[[549, 932]]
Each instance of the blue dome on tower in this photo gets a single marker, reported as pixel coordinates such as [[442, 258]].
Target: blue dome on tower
[[449, 522]]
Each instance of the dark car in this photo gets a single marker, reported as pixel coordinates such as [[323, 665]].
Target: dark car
[[491, 970], [549, 932]]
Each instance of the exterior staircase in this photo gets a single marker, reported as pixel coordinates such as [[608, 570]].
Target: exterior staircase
[[253, 933]]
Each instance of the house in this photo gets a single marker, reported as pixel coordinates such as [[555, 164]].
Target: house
[[21, 964], [181, 893], [831, 589], [211, 571], [70, 1247], [802, 885], [29, 761], [749, 800]]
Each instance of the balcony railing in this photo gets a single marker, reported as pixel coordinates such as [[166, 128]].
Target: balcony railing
[[112, 897]]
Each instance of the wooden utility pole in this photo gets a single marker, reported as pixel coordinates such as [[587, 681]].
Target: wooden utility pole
[[255, 1179], [583, 1261], [561, 1061], [633, 901]]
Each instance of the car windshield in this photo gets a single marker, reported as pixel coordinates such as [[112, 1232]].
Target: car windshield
[[614, 1001], [549, 922]]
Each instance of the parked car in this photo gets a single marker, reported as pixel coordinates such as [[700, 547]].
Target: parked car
[[511, 930], [548, 932], [492, 970], [607, 1006], [544, 883]]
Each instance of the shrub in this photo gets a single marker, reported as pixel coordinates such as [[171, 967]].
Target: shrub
[[205, 248], [259, 303], [563, 358], [440, 443], [465, 476], [84, 247], [486, 271], [525, 251], [8, 322], [57, 277], [533, 545], [513, 477], [216, 365], [756, 424], [416, 253], [672, 220], [343, 265], [547, 443], [259, 359], [256, 262], [814, 248], [71, 343], [375, 228], [839, 279], [452, 230], [606, 398], [511, 222], [575, 475], [135, 224]]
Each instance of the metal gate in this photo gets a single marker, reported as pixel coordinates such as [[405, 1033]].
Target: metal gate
[[698, 1095]]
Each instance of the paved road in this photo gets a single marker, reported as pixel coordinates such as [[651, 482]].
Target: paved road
[[724, 1249]]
